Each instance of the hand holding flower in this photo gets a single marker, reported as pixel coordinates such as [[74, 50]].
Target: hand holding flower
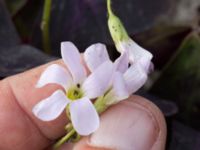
[[21, 130]]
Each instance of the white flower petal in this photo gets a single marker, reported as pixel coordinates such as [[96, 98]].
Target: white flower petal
[[51, 107], [146, 64], [135, 77], [95, 55], [136, 53], [84, 116], [121, 63], [72, 59], [99, 80], [55, 74], [119, 87]]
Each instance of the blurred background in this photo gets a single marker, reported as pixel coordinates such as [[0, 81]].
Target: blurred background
[[170, 29]]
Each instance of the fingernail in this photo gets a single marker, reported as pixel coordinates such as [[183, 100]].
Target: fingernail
[[126, 127]]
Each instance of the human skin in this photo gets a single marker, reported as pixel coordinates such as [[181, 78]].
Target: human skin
[[133, 124]]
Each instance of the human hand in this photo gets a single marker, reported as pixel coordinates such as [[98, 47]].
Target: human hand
[[134, 124]]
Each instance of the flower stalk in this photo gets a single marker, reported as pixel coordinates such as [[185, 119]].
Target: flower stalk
[[45, 26], [64, 139], [100, 105], [109, 9]]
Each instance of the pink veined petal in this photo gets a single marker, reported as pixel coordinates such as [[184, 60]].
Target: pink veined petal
[[55, 74], [84, 116], [135, 77], [72, 59], [136, 53], [119, 87], [146, 64], [121, 63], [51, 107], [98, 81], [95, 55]]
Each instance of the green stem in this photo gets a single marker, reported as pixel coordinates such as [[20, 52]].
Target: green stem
[[100, 105], [109, 7], [64, 139], [68, 127], [45, 26]]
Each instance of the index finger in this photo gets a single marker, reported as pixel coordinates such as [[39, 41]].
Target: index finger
[[17, 122], [27, 95]]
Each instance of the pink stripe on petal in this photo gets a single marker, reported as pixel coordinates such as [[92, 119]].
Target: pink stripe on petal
[[95, 55], [51, 107], [146, 64], [135, 77], [119, 87], [55, 74], [72, 59], [84, 116], [136, 53], [99, 80], [122, 62]]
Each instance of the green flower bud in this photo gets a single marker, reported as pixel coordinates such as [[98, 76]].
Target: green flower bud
[[116, 28]]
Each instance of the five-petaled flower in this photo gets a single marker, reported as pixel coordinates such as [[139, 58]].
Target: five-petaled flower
[[130, 72], [78, 90]]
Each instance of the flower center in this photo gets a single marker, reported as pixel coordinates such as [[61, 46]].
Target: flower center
[[74, 92]]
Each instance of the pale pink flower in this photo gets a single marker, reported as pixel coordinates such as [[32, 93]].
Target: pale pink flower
[[78, 90], [131, 68]]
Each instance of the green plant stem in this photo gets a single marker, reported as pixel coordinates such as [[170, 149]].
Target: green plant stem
[[100, 105], [68, 127], [64, 139], [109, 7], [45, 26]]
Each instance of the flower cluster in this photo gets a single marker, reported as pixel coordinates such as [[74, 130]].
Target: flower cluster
[[86, 94], [109, 81]]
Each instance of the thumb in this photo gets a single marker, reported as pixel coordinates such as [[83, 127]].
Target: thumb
[[134, 124]]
